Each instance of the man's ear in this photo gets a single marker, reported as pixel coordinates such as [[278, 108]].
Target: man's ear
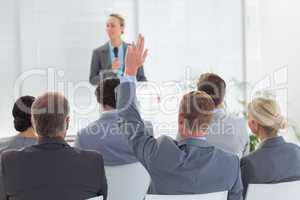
[[181, 118]]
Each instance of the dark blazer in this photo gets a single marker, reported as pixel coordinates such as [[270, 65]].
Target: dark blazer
[[101, 65], [274, 161], [53, 170], [191, 166]]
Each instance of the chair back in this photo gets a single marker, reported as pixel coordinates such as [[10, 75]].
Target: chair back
[[278, 191], [209, 196], [127, 182]]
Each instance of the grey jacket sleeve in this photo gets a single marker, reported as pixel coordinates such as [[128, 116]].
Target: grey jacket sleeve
[[236, 192], [143, 145], [95, 68]]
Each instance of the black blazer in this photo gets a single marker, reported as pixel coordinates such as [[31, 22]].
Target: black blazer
[[53, 170], [101, 65]]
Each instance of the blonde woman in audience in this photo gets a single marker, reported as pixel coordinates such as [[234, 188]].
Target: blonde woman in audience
[[275, 160]]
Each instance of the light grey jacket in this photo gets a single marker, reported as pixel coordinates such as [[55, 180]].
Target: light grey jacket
[[191, 166], [229, 133], [274, 161], [101, 65], [105, 137]]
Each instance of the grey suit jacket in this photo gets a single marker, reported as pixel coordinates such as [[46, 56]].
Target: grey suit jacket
[[53, 170], [273, 162], [105, 137], [15, 142], [191, 166], [101, 65], [229, 133]]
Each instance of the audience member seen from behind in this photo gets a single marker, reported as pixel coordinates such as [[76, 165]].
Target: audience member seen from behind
[[191, 166], [226, 131], [26, 135], [52, 169], [275, 160], [104, 135]]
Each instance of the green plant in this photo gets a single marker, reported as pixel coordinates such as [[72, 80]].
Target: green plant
[[296, 129], [254, 141]]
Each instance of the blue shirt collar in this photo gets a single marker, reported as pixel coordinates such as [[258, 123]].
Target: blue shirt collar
[[111, 46]]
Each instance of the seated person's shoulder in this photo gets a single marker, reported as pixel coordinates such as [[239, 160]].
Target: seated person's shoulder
[[88, 154], [166, 139], [94, 128], [5, 141], [11, 155], [226, 156], [293, 146]]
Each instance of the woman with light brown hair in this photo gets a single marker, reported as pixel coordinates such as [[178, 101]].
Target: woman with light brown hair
[[275, 160], [227, 131]]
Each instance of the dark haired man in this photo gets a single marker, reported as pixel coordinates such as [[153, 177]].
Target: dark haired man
[[104, 135]]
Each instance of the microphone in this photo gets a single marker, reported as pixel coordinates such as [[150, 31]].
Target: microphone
[[116, 51]]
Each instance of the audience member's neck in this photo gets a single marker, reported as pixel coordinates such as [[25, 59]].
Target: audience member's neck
[[106, 108], [29, 133], [192, 134], [116, 42], [263, 136], [220, 106], [60, 136]]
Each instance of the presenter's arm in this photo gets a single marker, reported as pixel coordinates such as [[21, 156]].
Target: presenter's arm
[[95, 68]]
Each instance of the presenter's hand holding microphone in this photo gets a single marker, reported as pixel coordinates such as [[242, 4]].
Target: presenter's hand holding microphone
[[135, 56], [115, 62]]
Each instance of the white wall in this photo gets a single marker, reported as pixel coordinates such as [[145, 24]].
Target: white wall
[[273, 46], [47, 45], [9, 61]]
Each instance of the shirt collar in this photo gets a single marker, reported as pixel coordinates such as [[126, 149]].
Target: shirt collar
[[219, 111], [273, 141], [111, 46], [109, 114], [194, 142]]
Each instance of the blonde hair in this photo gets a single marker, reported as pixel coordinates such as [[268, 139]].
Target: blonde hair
[[267, 113], [197, 108]]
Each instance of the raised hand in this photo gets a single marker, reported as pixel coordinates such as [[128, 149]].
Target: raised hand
[[135, 56]]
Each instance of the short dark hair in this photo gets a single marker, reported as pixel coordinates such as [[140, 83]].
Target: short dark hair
[[213, 85], [105, 91], [22, 113], [49, 114]]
